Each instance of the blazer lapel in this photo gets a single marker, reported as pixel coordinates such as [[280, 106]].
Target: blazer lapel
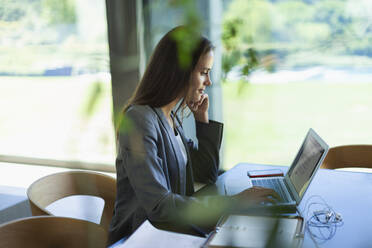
[[181, 189]]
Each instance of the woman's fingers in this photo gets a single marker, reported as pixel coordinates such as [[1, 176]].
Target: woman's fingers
[[266, 199], [202, 99], [258, 194], [267, 192], [194, 106]]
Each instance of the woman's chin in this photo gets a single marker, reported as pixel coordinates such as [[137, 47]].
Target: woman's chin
[[195, 99]]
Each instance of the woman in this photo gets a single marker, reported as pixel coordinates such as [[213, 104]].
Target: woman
[[156, 166]]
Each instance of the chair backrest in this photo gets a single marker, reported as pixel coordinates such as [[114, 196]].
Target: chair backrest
[[348, 156], [51, 232], [56, 186]]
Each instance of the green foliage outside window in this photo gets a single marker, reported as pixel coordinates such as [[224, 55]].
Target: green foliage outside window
[[293, 33]]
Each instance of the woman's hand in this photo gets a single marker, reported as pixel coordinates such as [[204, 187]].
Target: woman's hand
[[200, 108], [257, 195]]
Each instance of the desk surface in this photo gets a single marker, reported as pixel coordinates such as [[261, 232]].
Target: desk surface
[[348, 193]]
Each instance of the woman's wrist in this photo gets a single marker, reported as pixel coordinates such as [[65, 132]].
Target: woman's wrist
[[202, 117]]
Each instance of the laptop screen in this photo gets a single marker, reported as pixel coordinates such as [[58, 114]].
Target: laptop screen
[[305, 163]]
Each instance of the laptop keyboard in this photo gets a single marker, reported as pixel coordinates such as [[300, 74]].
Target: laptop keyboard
[[273, 183]]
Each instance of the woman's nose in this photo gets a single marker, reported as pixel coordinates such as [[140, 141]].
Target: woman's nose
[[208, 82]]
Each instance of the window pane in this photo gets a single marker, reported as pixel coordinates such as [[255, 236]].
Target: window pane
[[55, 82], [296, 65]]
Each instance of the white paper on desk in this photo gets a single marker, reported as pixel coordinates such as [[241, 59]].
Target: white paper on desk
[[254, 231], [149, 236]]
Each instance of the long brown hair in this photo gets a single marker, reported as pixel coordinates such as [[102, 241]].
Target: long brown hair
[[168, 72]]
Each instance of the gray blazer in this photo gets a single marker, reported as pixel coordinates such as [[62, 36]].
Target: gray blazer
[[151, 181]]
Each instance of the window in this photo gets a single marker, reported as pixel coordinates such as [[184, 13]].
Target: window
[[291, 65], [55, 88]]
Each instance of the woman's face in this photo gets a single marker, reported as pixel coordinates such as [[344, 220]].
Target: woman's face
[[200, 78]]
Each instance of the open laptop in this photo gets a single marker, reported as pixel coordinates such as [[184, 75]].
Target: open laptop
[[294, 184]]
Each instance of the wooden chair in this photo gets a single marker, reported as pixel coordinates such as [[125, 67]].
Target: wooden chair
[[56, 186], [51, 232], [348, 156]]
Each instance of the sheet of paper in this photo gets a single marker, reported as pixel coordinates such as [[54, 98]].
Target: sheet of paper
[[254, 231], [149, 236]]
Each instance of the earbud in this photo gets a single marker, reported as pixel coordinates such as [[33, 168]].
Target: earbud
[[338, 217], [328, 216]]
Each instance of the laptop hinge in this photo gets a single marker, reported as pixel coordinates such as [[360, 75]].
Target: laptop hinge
[[290, 193]]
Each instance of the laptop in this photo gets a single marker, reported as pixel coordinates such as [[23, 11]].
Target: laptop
[[294, 184]]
